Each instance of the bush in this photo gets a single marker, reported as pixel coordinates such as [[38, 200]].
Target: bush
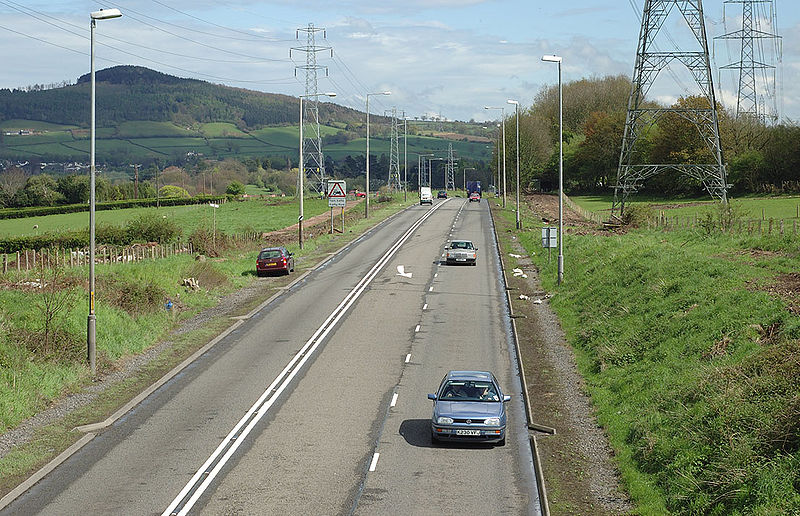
[[235, 188], [636, 215], [172, 191], [112, 235], [149, 227], [204, 242], [136, 298]]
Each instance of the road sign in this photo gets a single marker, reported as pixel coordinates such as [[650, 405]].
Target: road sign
[[550, 237], [337, 196]]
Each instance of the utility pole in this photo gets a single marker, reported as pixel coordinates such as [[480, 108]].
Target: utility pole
[[312, 142], [136, 180], [642, 115], [394, 154], [756, 99], [450, 177]]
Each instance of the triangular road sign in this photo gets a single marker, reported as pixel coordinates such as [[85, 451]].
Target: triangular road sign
[[337, 190]]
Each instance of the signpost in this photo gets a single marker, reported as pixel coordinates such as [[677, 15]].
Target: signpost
[[337, 198], [549, 240]]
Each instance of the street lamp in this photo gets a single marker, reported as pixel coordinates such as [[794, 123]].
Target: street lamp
[[302, 172], [503, 114], [91, 325], [516, 104], [557, 59], [366, 199], [405, 157]]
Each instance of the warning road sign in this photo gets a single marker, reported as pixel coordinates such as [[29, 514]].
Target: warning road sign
[[337, 196]]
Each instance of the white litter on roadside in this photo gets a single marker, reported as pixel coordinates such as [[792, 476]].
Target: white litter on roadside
[[518, 272], [537, 302], [514, 255], [524, 297]]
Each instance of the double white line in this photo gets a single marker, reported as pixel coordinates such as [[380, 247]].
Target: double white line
[[201, 480]]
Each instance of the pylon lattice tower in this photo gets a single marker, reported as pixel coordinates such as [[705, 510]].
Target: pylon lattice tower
[[756, 98], [650, 62], [314, 160], [451, 169], [395, 185]]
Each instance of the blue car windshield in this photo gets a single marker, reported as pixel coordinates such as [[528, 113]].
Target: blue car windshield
[[468, 390]]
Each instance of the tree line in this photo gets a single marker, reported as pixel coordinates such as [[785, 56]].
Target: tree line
[[760, 158]]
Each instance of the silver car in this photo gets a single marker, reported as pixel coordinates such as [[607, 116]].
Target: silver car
[[461, 251], [469, 406]]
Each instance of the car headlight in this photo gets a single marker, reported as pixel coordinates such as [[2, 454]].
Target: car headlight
[[441, 420], [492, 421]]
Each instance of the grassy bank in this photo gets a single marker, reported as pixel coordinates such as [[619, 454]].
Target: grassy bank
[[752, 207], [232, 217], [41, 364], [690, 347]]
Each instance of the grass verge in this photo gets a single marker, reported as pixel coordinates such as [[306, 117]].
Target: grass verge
[[690, 348], [29, 382]]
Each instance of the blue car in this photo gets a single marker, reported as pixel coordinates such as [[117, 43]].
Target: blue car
[[469, 406]]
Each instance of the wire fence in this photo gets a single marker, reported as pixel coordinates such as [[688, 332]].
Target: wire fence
[[104, 254]]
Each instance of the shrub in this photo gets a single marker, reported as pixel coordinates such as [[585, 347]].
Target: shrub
[[112, 235], [636, 215], [170, 191], [137, 298], [235, 188], [149, 227]]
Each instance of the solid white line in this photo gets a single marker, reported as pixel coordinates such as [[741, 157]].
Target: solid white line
[[262, 406], [394, 400], [417, 328], [408, 358], [374, 463], [425, 306]]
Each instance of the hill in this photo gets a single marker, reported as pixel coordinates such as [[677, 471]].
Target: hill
[[126, 93]]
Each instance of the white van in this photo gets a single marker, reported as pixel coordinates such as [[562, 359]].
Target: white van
[[425, 195]]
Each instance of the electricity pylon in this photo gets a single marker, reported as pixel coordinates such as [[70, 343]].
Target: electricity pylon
[[395, 184], [756, 98], [642, 116], [451, 171], [314, 161]]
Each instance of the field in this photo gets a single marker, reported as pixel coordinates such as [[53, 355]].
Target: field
[[139, 140], [232, 217], [131, 319], [753, 207], [690, 347]]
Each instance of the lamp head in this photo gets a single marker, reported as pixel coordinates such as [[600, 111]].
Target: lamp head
[[551, 59], [106, 14], [515, 102], [331, 94], [386, 93]]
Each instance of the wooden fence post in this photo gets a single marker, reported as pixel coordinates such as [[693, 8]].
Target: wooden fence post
[[5, 263], [770, 226], [781, 226], [18, 260]]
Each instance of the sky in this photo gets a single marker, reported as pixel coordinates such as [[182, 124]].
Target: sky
[[437, 57]]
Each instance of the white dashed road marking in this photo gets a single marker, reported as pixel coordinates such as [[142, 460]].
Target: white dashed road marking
[[374, 463]]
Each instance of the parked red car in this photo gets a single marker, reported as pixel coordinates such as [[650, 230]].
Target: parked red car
[[274, 259], [360, 194]]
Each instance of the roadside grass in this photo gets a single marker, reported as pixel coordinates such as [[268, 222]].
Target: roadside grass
[[753, 207], [693, 365], [260, 215], [29, 383]]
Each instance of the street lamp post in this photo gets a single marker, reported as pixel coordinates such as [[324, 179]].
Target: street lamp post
[[516, 105], [557, 59], [91, 324], [405, 158], [503, 115], [366, 199], [465, 176], [301, 172]]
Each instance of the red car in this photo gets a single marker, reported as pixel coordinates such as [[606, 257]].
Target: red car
[[360, 194], [475, 196], [274, 259]]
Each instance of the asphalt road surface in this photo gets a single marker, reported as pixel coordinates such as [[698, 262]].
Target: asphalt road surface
[[317, 404]]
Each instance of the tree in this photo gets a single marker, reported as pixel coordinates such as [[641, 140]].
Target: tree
[[173, 191], [11, 180], [41, 190], [235, 188], [74, 188]]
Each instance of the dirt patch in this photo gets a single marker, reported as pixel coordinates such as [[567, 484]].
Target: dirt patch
[[787, 287], [546, 207], [673, 206], [578, 463]]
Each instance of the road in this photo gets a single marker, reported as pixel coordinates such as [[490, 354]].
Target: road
[[317, 404]]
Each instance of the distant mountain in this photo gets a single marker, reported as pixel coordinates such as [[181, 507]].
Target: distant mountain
[[129, 93]]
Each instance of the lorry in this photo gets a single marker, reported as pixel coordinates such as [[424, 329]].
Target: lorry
[[425, 195], [473, 187]]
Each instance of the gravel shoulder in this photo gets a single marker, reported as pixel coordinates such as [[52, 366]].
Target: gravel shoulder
[[578, 462]]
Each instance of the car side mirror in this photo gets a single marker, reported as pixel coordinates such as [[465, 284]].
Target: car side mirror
[[506, 398], [432, 397], [476, 248]]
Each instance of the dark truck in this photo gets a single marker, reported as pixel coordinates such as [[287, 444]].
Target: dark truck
[[474, 187]]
